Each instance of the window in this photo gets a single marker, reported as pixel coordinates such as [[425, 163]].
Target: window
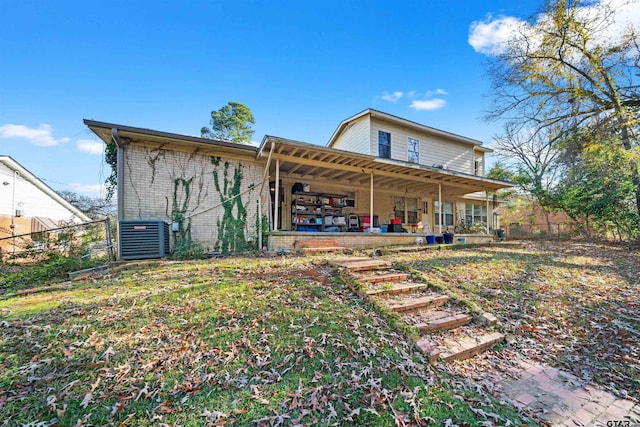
[[384, 144], [408, 205], [413, 150], [475, 214], [447, 213]]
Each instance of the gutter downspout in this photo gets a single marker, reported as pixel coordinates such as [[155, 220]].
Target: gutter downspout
[[265, 176], [119, 172]]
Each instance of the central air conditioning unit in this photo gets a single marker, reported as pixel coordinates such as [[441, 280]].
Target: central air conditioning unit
[[143, 239]]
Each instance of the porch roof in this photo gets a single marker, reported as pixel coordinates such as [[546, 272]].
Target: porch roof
[[313, 163]]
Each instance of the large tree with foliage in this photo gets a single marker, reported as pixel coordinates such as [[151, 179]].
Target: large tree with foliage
[[565, 69], [570, 69], [597, 188], [230, 123]]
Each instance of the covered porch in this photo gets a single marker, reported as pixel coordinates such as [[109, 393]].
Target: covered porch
[[321, 191]]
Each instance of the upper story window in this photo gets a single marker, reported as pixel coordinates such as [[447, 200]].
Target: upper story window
[[384, 144], [413, 150]]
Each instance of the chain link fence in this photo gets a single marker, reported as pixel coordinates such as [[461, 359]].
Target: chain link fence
[[92, 242]]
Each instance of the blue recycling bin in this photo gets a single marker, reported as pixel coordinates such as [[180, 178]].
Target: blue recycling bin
[[448, 238]]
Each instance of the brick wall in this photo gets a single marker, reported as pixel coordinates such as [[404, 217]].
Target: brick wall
[[155, 184], [286, 240]]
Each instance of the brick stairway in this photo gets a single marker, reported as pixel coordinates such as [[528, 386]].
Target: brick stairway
[[447, 331]]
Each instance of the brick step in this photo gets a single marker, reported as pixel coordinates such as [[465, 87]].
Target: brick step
[[443, 320], [361, 264], [312, 246], [420, 302], [324, 249], [398, 288], [471, 346], [460, 349], [389, 277], [303, 244]]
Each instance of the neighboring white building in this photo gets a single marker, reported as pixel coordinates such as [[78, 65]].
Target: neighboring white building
[[28, 205]]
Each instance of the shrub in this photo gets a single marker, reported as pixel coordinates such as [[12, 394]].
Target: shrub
[[188, 249], [53, 268]]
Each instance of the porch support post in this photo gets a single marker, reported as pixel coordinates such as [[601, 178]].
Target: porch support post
[[276, 207], [486, 197], [259, 230], [371, 203], [439, 208]]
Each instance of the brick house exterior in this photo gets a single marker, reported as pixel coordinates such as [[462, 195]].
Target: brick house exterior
[[224, 195]]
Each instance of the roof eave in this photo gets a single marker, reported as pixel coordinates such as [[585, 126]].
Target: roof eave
[[404, 122], [14, 165], [343, 124], [150, 132]]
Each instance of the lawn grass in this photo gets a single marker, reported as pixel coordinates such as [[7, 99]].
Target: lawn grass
[[236, 341], [573, 305]]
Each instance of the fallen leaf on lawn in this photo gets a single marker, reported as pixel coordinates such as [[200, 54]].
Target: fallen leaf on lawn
[[108, 352], [61, 411], [87, 400], [144, 391]]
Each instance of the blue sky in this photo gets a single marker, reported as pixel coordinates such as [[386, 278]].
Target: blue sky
[[301, 67]]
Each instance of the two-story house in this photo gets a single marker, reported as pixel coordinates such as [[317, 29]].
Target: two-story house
[[390, 137], [389, 169], [379, 179]]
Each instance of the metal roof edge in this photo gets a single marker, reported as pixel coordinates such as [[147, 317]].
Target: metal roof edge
[[152, 132]]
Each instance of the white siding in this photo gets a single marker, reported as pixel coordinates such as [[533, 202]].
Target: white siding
[[355, 137], [434, 150], [479, 156], [29, 199]]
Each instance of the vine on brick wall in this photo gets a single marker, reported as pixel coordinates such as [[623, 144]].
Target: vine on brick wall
[[231, 227], [180, 209], [152, 159], [262, 225]]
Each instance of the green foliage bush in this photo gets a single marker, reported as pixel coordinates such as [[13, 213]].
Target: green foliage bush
[[54, 267], [188, 249]]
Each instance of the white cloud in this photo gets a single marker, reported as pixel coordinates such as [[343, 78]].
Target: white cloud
[[88, 189], [90, 146], [428, 104], [41, 136], [492, 35], [431, 93], [392, 97]]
